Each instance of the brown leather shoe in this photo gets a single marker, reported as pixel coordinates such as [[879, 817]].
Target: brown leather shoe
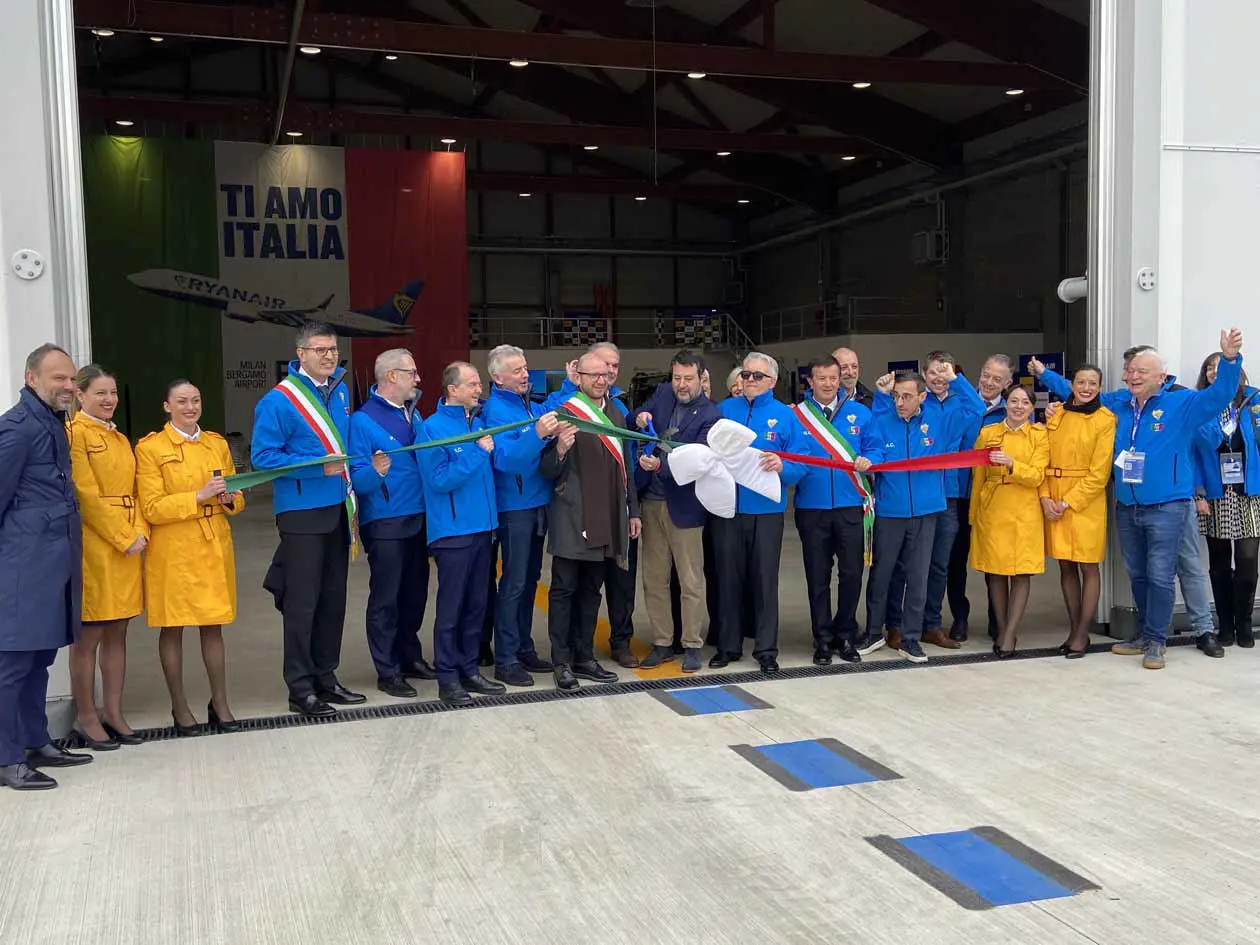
[[624, 657], [894, 639], [939, 637]]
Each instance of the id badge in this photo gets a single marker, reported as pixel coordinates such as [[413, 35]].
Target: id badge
[[1133, 468], [1232, 469]]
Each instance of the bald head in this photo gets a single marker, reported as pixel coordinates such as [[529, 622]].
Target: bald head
[[850, 369], [593, 376]]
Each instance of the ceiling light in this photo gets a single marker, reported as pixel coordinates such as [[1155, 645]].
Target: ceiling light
[[123, 122], [640, 198], [724, 154], [294, 134], [696, 75], [1014, 91], [590, 147], [157, 39], [744, 200], [518, 63], [103, 34], [525, 195], [861, 85], [390, 56], [310, 50], [849, 157], [448, 140]]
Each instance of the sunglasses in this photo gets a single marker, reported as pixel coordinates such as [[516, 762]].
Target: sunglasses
[[754, 376]]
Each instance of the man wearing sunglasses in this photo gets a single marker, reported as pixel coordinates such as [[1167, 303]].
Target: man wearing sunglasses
[[748, 547]]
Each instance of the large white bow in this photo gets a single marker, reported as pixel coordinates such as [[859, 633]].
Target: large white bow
[[727, 460]]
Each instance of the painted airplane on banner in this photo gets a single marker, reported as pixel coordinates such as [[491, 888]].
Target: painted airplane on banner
[[246, 305]]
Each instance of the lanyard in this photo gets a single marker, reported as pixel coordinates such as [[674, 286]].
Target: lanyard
[[1137, 421]]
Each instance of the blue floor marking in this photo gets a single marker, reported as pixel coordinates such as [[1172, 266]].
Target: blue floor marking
[[710, 701], [992, 873], [815, 765]]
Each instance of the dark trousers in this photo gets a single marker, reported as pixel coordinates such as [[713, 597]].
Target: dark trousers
[[398, 591], [1232, 568], [827, 536], [23, 695], [938, 574], [573, 608], [748, 550], [521, 539], [315, 568], [907, 541], [956, 582], [619, 589], [492, 598], [462, 563]]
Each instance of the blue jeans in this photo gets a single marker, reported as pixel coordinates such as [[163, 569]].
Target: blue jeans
[[938, 574], [521, 535], [1150, 540], [1193, 576]]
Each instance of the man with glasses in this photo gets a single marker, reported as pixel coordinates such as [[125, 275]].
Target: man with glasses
[[307, 417], [748, 547], [391, 523], [522, 494]]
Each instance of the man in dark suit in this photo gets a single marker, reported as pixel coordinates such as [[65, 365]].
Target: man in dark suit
[[41, 557], [307, 417], [673, 518]]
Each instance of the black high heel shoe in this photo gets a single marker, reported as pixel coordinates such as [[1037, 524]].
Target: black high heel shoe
[[217, 724], [88, 741], [132, 739], [1064, 648], [185, 731]]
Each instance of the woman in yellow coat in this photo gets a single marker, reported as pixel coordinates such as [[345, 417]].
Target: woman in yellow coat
[[114, 535], [1008, 536], [190, 568], [1074, 501]]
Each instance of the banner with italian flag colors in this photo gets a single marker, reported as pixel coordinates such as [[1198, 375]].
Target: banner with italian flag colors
[[582, 406], [839, 448]]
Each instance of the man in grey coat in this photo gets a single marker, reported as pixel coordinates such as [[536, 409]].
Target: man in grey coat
[[593, 516], [41, 566]]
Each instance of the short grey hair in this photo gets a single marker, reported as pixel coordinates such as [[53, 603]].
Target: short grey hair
[[732, 377], [761, 356], [390, 360], [494, 361], [450, 374], [314, 330], [1003, 360], [35, 360], [1151, 352], [601, 345]]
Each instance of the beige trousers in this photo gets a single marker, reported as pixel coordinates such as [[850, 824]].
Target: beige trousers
[[663, 542]]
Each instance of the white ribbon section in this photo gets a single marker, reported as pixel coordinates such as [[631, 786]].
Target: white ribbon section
[[716, 469]]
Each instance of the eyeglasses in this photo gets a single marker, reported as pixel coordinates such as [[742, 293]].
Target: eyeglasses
[[605, 376], [412, 373], [323, 352], [754, 376]]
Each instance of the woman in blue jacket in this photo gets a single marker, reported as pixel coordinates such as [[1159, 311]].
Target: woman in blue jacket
[[1228, 467]]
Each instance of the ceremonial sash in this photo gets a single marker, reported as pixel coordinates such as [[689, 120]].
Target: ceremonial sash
[[311, 408], [839, 449], [585, 408]]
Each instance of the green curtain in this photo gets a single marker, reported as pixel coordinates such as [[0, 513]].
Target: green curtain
[[151, 204]]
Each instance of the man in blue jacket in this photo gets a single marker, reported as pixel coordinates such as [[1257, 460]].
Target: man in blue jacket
[[673, 518], [907, 505], [522, 494], [303, 418], [41, 561], [1154, 480], [830, 517], [748, 547], [460, 505], [391, 522]]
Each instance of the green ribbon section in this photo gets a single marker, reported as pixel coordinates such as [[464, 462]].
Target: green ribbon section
[[250, 480]]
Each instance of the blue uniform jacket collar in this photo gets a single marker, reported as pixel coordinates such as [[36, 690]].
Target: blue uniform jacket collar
[[44, 413], [295, 367], [511, 396], [452, 410], [761, 399]]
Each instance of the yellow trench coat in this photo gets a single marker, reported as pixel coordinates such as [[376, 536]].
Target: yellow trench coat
[[190, 568], [1007, 527], [1080, 465], [104, 470]]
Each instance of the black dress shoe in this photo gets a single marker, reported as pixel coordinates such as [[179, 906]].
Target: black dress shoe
[[1209, 645], [397, 687], [217, 724], [22, 777], [312, 706], [846, 651], [340, 695], [483, 687], [418, 670], [958, 633], [565, 680], [623, 657], [769, 664], [822, 656], [591, 670], [533, 663], [50, 756], [87, 741], [455, 695], [514, 676], [719, 660], [121, 737]]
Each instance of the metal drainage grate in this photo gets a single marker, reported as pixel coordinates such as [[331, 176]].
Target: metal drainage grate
[[596, 691]]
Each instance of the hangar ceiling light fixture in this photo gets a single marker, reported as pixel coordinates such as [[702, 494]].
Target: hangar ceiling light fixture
[[103, 34], [294, 134], [448, 140], [590, 147], [310, 50], [696, 75], [1014, 91], [390, 57], [124, 123], [724, 154], [640, 198], [157, 39], [861, 85], [518, 63]]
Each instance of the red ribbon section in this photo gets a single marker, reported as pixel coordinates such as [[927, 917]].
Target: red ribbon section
[[961, 460]]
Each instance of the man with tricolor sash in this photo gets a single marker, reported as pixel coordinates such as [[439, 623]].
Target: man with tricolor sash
[[594, 515], [835, 512], [306, 417]]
